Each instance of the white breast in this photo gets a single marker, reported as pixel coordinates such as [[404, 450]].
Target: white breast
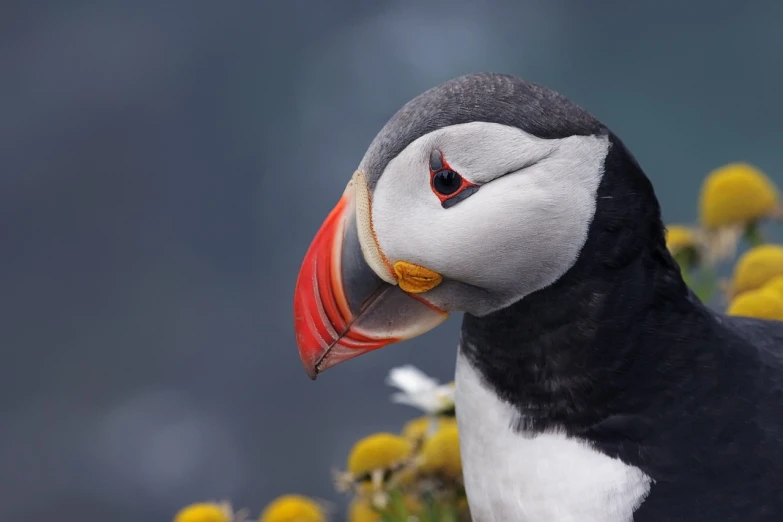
[[510, 477]]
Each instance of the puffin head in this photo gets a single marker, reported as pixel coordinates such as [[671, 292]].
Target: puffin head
[[476, 194]]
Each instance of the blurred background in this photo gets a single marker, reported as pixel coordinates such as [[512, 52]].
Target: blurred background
[[164, 166]]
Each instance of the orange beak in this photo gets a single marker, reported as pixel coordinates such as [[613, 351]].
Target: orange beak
[[342, 309]]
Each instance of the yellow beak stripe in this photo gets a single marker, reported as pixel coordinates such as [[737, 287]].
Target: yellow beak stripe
[[415, 279]]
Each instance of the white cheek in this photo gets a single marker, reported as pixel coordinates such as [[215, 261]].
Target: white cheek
[[517, 234], [525, 231]]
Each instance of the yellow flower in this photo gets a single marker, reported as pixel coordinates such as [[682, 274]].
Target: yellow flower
[[776, 284], [293, 508], [756, 267], [377, 463], [762, 304], [440, 453], [737, 194], [379, 451], [415, 430], [418, 429], [361, 510], [679, 237], [686, 245], [204, 512]]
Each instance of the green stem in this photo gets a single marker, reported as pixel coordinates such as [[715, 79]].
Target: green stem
[[687, 277], [753, 234], [396, 511], [702, 282], [449, 513], [706, 286]]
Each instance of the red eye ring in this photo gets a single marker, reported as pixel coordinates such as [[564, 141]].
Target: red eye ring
[[446, 183]]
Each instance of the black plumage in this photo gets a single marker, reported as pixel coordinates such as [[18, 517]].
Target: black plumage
[[621, 353]]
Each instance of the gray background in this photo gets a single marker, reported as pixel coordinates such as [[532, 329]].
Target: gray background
[[164, 166]]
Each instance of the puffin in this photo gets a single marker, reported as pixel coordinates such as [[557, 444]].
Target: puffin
[[592, 385]]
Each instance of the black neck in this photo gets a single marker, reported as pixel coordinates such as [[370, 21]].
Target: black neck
[[585, 348]]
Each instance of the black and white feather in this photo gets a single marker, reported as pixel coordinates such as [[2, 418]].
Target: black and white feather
[[592, 385]]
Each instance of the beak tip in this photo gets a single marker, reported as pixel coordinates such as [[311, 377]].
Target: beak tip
[[309, 359], [310, 350]]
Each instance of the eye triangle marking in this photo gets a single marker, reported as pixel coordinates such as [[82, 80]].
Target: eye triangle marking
[[436, 160]]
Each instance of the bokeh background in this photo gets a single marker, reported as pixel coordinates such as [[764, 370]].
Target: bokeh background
[[164, 165]]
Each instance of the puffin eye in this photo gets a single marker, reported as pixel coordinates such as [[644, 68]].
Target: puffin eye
[[447, 184]]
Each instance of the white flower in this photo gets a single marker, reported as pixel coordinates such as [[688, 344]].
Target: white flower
[[420, 390]]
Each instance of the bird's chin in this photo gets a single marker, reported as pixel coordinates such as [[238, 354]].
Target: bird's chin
[[342, 308]]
